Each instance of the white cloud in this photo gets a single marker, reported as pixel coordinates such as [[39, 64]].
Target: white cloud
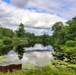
[[63, 8], [11, 17], [20, 3]]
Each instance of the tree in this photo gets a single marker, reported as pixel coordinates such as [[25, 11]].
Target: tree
[[21, 31], [64, 37], [5, 32], [72, 28], [57, 27]]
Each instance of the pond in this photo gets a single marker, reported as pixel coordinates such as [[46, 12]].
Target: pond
[[30, 57]]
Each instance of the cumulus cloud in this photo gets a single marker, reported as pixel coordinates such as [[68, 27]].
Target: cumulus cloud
[[63, 8], [34, 22]]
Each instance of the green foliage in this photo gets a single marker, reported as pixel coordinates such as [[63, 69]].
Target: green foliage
[[43, 71], [1, 36], [63, 33], [69, 53], [5, 49], [6, 32], [8, 37], [1, 41], [64, 37], [73, 66], [70, 43], [57, 26], [21, 31], [57, 36], [15, 41], [43, 39], [7, 41]]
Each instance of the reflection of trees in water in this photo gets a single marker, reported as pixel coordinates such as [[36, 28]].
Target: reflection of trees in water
[[5, 50], [30, 44], [45, 43], [20, 51]]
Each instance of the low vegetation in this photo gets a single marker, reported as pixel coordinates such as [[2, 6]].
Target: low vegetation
[[44, 71]]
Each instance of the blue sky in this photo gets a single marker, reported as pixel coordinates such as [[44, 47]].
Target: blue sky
[[8, 1], [36, 13]]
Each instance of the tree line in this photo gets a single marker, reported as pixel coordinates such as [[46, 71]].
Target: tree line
[[64, 39], [8, 36]]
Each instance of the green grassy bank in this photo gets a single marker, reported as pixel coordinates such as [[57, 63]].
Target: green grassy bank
[[44, 71]]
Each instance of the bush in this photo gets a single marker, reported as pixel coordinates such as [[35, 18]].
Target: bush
[[70, 43], [7, 41], [73, 66], [1, 41], [15, 41]]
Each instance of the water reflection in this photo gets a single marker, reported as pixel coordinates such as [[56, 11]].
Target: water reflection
[[39, 48], [36, 55], [20, 51], [4, 50]]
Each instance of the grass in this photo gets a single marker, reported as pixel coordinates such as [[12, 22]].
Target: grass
[[47, 70], [2, 59]]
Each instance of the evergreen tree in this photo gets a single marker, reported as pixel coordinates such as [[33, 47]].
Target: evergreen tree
[[21, 31]]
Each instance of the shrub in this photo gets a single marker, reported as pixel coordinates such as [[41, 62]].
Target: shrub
[[1, 41], [70, 43], [15, 41], [7, 41], [73, 66]]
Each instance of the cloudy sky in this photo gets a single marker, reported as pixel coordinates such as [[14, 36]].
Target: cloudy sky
[[37, 15]]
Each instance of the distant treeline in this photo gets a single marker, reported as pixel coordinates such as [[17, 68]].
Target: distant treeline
[[10, 37]]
